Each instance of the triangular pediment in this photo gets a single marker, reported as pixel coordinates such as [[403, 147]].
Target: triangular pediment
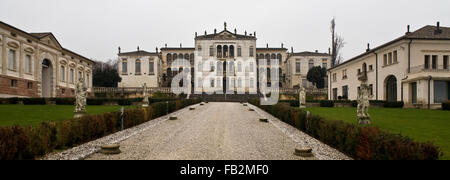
[[48, 39], [225, 35]]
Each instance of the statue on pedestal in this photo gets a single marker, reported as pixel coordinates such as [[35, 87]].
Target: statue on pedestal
[[302, 97], [145, 101], [80, 95], [363, 99]]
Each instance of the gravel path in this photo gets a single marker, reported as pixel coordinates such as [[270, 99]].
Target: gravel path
[[218, 131]]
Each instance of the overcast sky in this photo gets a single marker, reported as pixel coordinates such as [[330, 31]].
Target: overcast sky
[[95, 28]]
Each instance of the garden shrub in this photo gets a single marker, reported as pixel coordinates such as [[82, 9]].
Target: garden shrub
[[14, 100], [65, 101], [326, 103], [30, 142], [446, 106], [358, 142], [398, 104]]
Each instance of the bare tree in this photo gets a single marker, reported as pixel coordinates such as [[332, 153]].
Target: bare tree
[[337, 43]]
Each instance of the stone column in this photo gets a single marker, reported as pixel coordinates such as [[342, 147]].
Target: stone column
[[20, 60]]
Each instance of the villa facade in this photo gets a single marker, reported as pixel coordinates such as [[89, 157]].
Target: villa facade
[[413, 68], [36, 65]]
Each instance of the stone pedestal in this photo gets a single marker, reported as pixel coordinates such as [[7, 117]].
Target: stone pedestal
[[79, 114], [364, 120], [110, 149], [144, 105]]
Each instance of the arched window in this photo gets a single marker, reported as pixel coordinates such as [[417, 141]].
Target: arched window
[[180, 56], [231, 67], [219, 51], [225, 51], [186, 57], [175, 57], [138, 67], [169, 58], [232, 51], [273, 56], [268, 59], [191, 59], [280, 58], [239, 51]]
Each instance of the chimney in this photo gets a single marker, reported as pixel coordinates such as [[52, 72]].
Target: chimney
[[156, 49], [407, 29], [195, 34], [368, 47], [438, 28], [267, 45], [215, 31], [119, 49], [235, 31], [165, 45], [329, 50], [292, 49], [205, 32], [317, 51], [282, 45], [181, 45], [254, 34], [245, 33], [138, 48]]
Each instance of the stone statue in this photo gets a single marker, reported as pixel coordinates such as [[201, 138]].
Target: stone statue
[[145, 101], [80, 95], [363, 100], [302, 97]]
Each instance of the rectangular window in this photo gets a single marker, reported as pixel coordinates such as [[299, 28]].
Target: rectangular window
[[427, 62], [297, 67], [345, 92], [390, 58], [211, 51], [440, 91], [199, 82], [12, 60], [304, 83], [14, 83], [251, 52], [252, 82], [200, 51], [151, 69], [370, 67], [62, 74], [28, 64], [414, 93], [71, 76], [211, 65], [434, 60], [335, 92], [344, 74], [251, 67], [334, 77], [30, 85], [212, 82], [445, 62], [385, 62], [87, 81], [371, 89], [239, 52], [395, 57], [311, 64], [124, 67], [138, 67], [325, 65]]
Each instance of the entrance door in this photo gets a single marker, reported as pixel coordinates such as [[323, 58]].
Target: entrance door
[[391, 89], [47, 72]]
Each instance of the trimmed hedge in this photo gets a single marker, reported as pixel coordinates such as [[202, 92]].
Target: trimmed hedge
[[71, 101], [30, 142], [34, 101], [358, 142], [446, 106], [326, 103]]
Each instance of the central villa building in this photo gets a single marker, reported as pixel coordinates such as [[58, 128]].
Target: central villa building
[[233, 68]]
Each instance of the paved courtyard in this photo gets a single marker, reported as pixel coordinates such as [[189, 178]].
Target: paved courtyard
[[218, 131]]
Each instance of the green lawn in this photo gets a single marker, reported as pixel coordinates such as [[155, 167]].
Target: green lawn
[[420, 125], [35, 114]]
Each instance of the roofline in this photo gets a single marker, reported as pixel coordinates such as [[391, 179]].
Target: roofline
[[383, 46], [38, 40], [175, 48]]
